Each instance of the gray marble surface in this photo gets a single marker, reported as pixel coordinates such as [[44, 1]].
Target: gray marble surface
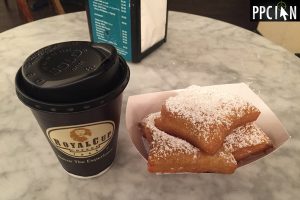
[[199, 51]]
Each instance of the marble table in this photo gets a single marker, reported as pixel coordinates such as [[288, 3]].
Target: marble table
[[199, 51]]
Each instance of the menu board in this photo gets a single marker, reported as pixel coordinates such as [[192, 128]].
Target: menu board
[[111, 23]]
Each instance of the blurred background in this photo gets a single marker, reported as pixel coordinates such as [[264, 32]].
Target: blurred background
[[287, 34]]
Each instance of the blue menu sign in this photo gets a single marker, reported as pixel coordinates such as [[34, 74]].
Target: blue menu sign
[[110, 22]]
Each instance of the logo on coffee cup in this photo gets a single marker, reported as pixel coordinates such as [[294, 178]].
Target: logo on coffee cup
[[82, 141], [80, 134]]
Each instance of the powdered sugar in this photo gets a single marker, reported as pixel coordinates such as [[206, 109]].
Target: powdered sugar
[[167, 143], [245, 136], [207, 107], [228, 157]]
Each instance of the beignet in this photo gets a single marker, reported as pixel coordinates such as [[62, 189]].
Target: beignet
[[204, 117], [169, 154], [246, 141]]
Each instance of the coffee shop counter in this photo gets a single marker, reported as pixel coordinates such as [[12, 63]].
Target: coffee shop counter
[[199, 51]]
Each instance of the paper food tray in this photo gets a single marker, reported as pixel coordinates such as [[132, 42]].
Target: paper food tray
[[139, 106]]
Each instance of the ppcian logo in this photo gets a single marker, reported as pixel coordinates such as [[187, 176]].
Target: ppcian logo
[[274, 10]]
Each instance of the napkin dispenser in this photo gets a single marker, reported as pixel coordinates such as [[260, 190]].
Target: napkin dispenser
[[135, 27]]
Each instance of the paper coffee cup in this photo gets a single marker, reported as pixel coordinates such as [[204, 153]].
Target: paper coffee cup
[[74, 90]]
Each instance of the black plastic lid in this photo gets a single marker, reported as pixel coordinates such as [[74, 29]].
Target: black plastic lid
[[71, 77]]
